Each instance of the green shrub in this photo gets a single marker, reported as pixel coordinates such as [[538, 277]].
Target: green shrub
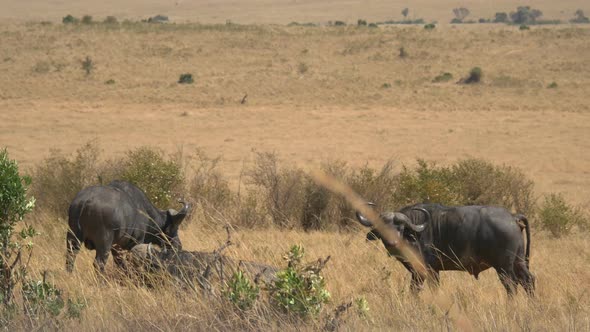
[[109, 82], [185, 79], [302, 68], [426, 183], [300, 288], [87, 19], [501, 17], [403, 53], [386, 85], [110, 20], [241, 291], [475, 75], [444, 77], [429, 26], [480, 182], [468, 182], [361, 23], [69, 19], [339, 23], [373, 25], [460, 14], [552, 85], [41, 298], [160, 178], [558, 217], [523, 27]]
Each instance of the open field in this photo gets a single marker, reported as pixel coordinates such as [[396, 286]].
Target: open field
[[314, 94]]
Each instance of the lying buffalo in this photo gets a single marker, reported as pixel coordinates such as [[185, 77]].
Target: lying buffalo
[[202, 267], [467, 238], [117, 217]]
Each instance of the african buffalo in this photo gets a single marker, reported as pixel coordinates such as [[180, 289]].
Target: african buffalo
[[117, 217], [466, 238], [202, 267]]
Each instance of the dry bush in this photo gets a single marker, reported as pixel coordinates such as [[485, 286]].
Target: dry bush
[[208, 186], [559, 217], [59, 178]]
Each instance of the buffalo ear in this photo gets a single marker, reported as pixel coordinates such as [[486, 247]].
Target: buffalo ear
[[174, 218]]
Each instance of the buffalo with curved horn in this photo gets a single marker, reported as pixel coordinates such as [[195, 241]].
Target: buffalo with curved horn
[[466, 238], [118, 217]]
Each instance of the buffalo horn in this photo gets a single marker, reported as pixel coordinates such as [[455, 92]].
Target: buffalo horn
[[364, 221], [403, 218]]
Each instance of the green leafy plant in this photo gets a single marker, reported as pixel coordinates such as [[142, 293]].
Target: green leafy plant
[[110, 20], [429, 26], [14, 205], [300, 289], [444, 77], [241, 291], [552, 85], [185, 79], [42, 298], [558, 217], [69, 19], [159, 177], [475, 75], [86, 19]]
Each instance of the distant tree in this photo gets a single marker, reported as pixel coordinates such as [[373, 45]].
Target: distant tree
[[461, 13], [525, 14], [580, 17], [405, 12], [501, 17]]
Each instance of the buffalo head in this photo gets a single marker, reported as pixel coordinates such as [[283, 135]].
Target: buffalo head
[[395, 221], [173, 220]]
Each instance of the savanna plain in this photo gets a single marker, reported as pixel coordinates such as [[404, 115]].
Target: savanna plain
[[304, 96]]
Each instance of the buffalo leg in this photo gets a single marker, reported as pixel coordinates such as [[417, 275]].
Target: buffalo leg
[[101, 259], [72, 247], [508, 279], [525, 278]]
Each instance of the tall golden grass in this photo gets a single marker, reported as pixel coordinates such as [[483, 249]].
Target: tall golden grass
[[47, 101]]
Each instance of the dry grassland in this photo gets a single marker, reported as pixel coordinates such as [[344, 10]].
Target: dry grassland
[[313, 94]]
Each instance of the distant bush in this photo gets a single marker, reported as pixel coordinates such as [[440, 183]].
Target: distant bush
[[109, 81], [69, 19], [525, 15], [558, 217], [185, 78], [386, 85], [158, 19], [110, 20], [58, 179], [501, 17], [523, 27], [302, 68], [339, 23], [208, 186], [429, 26], [416, 21], [444, 77], [361, 23], [469, 181], [580, 17], [373, 25], [87, 19], [475, 75], [552, 85], [403, 53]]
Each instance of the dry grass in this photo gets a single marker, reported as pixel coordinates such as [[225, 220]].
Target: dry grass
[[357, 268], [334, 109]]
